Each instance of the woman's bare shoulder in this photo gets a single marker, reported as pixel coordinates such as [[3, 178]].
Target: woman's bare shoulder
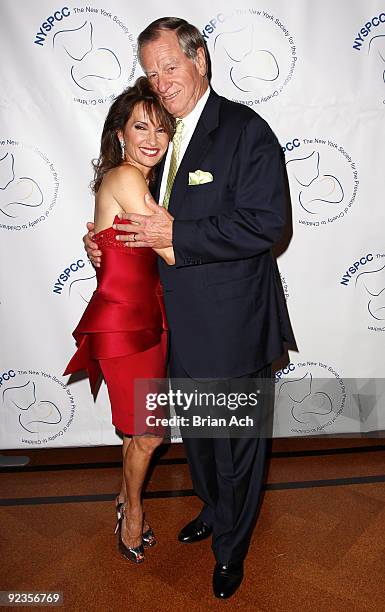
[[124, 175], [128, 186]]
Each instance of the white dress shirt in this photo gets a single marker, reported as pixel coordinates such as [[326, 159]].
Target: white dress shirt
[[190, 123]]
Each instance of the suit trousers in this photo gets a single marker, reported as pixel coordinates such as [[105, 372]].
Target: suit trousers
[[227, 473]]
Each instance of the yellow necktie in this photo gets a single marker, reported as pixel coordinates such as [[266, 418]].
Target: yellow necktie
[[176, 142]]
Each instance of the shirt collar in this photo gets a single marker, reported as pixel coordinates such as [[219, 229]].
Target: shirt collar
[[191, 120]]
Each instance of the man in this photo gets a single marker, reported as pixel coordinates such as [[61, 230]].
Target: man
[[223, 184]]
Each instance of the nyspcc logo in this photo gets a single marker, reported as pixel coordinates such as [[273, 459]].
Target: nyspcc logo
[[37, 406], [310, 396], [253, 55], [28, 186], [366, 279], [370, 41], [323, 180], [76, 281], [93, 49]]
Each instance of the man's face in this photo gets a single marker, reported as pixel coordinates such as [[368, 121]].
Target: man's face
[[178, 80]]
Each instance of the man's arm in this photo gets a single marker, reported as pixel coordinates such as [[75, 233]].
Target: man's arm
[[92, 249], [255, 224], [154, 230], [129, 191]]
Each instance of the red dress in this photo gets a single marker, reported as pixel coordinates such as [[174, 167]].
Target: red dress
[[122, 333]]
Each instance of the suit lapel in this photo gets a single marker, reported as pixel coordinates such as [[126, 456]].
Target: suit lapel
[[158, 180], [196, 150]]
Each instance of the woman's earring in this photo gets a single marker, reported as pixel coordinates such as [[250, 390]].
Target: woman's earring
[[123, 147]]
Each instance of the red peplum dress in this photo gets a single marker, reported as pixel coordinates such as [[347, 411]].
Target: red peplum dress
[[122, 333]]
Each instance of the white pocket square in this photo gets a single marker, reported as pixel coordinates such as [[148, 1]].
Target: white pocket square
[[199, 177]]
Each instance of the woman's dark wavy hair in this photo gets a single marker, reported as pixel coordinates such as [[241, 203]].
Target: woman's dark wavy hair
[[118, 115]]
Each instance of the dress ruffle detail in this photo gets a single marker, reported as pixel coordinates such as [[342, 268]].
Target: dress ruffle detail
[[126, 313]]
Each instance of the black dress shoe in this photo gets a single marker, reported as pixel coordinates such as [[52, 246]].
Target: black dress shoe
[[226, 579], [195, 531]]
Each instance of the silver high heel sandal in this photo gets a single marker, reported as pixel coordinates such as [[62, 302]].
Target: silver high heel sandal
[[148, 536], [134, 553]]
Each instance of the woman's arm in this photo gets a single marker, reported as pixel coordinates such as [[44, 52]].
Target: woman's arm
[[106, 206], [127, 186]]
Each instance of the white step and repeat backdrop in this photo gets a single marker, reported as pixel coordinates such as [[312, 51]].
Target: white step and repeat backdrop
[[316, 71]]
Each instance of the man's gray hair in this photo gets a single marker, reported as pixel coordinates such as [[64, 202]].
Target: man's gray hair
[[189, 37]]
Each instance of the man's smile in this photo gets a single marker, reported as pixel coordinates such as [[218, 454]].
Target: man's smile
[[170, 96]]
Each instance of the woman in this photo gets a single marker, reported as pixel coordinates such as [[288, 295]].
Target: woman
[[122, 332]]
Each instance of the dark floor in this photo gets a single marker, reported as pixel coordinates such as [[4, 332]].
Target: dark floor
[[319, 544]]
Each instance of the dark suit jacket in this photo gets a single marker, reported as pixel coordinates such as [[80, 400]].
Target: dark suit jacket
[[224, 299]]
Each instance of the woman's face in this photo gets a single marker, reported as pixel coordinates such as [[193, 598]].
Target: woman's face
[[146, 142]]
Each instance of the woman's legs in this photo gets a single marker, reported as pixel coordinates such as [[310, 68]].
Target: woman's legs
[[137, 457], [128, 415], [121, 498]]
